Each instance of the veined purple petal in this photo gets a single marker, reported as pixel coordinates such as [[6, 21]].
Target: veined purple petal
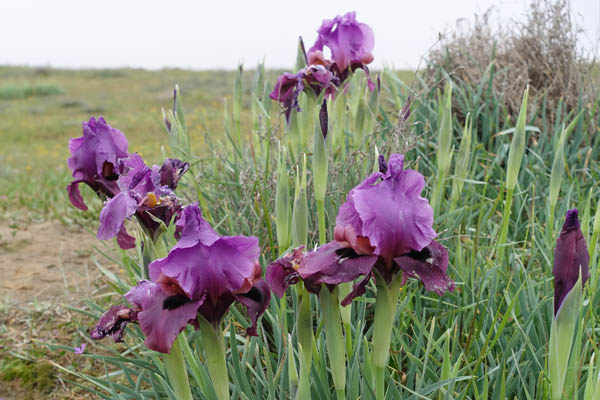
[[113, 322], [571, 258], [134, 170], [428, 265], [114, 214], [348, 40], [387, 208], [96, 160], [162, 316], [284, 272], [191, 228], [226, 266], [332, 264]]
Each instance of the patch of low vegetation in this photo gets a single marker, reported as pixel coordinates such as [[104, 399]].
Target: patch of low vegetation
[[31, 375], [542, 51], [9, 92]]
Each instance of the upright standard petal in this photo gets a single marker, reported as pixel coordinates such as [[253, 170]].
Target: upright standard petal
[[571, 258], [191, 228], [223, 267], [387, 208], [96, 160], [349, 41]]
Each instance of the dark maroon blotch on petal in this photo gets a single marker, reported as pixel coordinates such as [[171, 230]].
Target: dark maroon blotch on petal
[[428, 265]]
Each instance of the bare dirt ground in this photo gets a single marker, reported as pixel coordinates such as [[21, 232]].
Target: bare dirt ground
[[44, 261], [44, 268]]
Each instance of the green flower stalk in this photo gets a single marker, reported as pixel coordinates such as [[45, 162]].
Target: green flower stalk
[[283, 209], [344, 290], [444, 152], [304, 324], [308, 115], [515, 158], [562, 334], [300, 212], [338, 125], [305, 335], [214, 348], [177, 370], [320, 172], [385, 312], [334, 338], [292, 371]]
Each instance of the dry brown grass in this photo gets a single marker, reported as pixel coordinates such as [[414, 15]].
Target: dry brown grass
[[543, 52]]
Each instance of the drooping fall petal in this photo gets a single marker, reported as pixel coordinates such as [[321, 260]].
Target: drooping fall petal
[[428, 265]]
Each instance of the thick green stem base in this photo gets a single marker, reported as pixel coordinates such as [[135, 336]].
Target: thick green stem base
[[177, 371], [214, 348]]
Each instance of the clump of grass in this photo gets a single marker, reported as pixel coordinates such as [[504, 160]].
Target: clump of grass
[[13, 91], [37, 376], [543, 52]]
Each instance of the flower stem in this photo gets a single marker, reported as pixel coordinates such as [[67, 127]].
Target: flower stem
[[379, 382], [305, 335], [334, 338], [177, 371], [385, 311], [344, 289], [214, 347], [321, 218]]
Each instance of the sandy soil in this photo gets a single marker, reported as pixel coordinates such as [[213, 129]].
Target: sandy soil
[[44, 261]]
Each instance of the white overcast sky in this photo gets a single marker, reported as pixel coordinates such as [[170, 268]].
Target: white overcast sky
[[219, 33]]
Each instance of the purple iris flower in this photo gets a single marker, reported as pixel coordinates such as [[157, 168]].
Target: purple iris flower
[[146, 193], [351, 44], [350, 41], [571, 258], [384, 224], [203, 273], [96, 160], [289, 86]]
